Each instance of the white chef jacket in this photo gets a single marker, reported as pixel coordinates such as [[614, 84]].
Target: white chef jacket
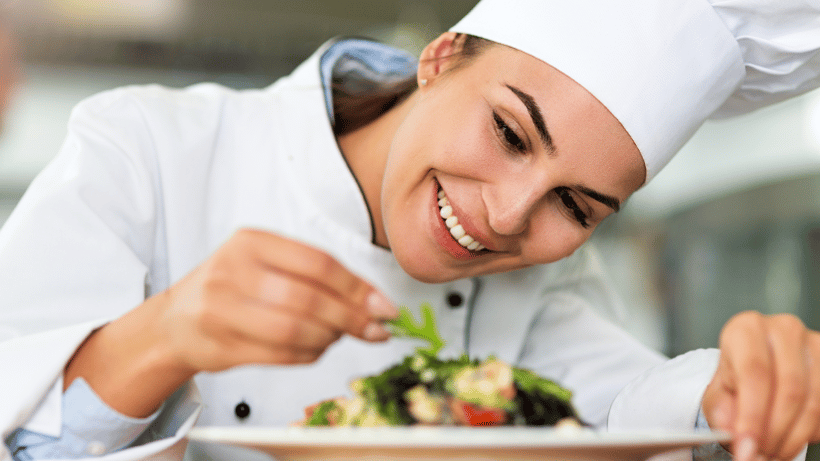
[[151, 180]]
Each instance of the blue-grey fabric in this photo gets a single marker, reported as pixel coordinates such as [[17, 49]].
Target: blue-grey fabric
[[89, 427]]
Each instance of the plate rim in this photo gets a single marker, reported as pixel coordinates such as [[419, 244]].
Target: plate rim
[[443, 437]]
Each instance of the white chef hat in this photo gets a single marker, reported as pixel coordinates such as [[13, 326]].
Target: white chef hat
[[662, 67]]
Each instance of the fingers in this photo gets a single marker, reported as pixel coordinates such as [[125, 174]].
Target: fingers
[[302, 299], [749, 374], [263, 298], [766, 390], [813, 407], [257, 323], [305, 281], [241, 330], [719, 398], [787, 340], [255, 353], [806, 427], [278, 292], [317, 268]]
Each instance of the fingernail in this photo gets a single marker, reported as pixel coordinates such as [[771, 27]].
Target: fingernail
[[746, 449], [380, 307], [376, 332]]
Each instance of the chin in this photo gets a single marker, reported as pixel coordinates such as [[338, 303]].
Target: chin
[[432, 278], [423, 272], [424, 269]]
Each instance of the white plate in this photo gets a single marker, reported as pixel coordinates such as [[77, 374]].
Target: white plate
[[451, 443]]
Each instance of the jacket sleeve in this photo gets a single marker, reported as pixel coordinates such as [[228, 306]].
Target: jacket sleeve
[[667, 396], [83, 413], [84, 243]]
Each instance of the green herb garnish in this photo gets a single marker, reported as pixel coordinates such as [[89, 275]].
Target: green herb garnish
[[388, 397], [528, 381], [321, 413], [406, 326]]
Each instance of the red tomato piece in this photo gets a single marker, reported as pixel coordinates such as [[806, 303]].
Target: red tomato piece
[[480, 416]]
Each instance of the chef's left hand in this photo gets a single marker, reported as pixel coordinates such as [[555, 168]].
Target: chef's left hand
[[766, 390]]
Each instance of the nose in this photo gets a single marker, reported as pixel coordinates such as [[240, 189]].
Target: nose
[[512, 202]]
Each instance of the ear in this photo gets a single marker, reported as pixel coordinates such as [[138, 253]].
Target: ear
[[435, 57]]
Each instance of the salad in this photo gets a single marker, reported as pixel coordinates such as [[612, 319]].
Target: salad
[[425, 389]]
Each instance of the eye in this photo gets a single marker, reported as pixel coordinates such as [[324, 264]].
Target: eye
[[569, 202], [508, 135]]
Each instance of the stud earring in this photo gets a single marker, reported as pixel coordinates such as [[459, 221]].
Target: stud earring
[[423, 82]]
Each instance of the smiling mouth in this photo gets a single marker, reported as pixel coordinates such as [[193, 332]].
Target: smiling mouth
[[456, 229]]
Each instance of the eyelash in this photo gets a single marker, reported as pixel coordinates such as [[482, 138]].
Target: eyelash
[[569, 202], [508, 135], [514, 142]]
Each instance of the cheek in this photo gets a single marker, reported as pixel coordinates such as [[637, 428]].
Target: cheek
[[468, 153], [552, 237], [455, 130]]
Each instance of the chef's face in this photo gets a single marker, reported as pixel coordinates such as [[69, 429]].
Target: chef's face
[[528, 163]]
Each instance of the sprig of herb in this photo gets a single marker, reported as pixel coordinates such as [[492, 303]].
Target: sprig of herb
[[529, 381], [405, 325], [320, 416]]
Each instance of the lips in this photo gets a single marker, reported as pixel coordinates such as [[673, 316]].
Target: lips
[[456, 230]]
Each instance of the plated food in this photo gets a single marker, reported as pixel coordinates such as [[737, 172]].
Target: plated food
[[426, 390]]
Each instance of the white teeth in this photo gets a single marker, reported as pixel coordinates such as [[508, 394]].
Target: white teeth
[[465, 241], [446, 212], [456, 229]]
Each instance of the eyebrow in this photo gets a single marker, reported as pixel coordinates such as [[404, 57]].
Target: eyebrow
[[535, 114], [607, 200], [541, 127]]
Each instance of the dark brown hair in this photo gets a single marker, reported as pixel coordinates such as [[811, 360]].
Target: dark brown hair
[[353, 110]]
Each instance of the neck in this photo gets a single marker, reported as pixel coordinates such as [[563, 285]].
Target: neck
[[366, 150]]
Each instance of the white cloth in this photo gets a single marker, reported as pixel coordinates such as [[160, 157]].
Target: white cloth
[[779, 41], [662, 67], [151, 181]]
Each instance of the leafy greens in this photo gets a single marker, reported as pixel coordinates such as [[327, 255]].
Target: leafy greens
[[388, 398], [405, 325]]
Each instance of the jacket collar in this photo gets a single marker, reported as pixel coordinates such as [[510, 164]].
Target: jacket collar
[[329, 179]]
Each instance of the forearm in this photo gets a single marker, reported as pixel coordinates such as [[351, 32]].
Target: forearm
[[127, 364]]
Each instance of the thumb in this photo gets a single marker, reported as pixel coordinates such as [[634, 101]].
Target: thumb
[[722, 414], [720, 398]]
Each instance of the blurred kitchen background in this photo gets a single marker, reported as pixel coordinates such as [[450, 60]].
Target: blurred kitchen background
[[733, 223]]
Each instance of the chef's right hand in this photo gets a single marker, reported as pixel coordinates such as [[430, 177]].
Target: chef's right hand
[[265, 299], [259, 299]]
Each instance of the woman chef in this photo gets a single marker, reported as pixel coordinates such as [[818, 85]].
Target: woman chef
[[220, 257]]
